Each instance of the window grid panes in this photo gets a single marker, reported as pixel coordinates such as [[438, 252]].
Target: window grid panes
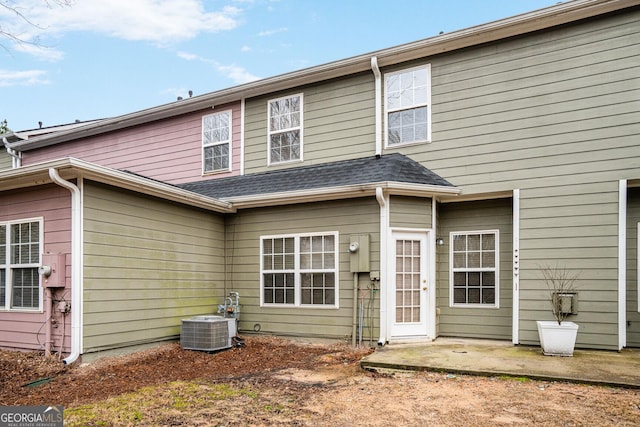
[[216, 141], [317, 265], [407, 103], [285, 129], [19, 260], [408, 281], [300, 270], [474, 268]]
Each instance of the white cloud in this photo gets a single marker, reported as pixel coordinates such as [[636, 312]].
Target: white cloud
[[245, 48], [22, 78], [235, 73], [272, 32], [42, 52], [188, 56], [158, 21]]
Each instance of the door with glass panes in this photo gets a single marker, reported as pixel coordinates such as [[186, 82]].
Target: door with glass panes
[[409, 293]]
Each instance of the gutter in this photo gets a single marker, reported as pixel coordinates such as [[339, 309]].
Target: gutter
[[341, 192], [76, 264], [70, 167]]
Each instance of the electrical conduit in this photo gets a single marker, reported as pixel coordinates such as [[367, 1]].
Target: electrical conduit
[[354, 321], [76, 264]]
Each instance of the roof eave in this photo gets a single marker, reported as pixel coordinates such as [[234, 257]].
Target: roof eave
[[70, 168], [340, 192], [513, 26]]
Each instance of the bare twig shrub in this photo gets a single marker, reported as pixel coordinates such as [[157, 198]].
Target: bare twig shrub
[[560, 281]]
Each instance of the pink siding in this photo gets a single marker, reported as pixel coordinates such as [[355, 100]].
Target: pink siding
[[168, 150], [25, 330]]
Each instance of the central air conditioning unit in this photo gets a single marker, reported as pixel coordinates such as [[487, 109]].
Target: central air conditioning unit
[[207, 333]]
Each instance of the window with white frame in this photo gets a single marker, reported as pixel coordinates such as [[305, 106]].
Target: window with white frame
[[407, 105], [285, 129], [300, 270], [216, 142], [20, 248], [474, 268]]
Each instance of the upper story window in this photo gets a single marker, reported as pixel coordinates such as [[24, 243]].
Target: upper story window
[[216, 142], [285, 129], [474, 269], [408, 106], [20, 248], [300, 270]]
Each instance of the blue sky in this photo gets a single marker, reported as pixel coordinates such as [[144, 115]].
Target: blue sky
[[103, 58]]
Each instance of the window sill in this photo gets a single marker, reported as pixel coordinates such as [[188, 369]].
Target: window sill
[[406, 144], [21, 310], [476, 306], [304, 307], [288, 162]]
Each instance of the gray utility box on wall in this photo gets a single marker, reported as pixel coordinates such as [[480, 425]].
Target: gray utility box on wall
[[359, 253], [567, 302]]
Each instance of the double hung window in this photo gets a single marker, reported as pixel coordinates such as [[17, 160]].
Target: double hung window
[[474, 268], [216, 142], [285, 129], [407, 103], [300, 270], [20, 248]]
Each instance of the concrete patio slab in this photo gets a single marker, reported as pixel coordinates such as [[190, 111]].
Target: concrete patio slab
[[492, 358]]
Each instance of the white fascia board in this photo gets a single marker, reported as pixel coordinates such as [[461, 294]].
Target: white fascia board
[[70, 168], [341, 192], [551, 16]]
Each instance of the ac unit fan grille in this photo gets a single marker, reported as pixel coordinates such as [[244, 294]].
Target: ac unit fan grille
[[205, 335]]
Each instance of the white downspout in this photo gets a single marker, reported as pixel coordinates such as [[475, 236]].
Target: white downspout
[[242, 115], [378, 110], [515, 328], [433, 308], [16, 158], [76, 263], [382, 201], [622, 264]]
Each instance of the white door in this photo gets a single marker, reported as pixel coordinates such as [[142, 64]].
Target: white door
[[408, 299]]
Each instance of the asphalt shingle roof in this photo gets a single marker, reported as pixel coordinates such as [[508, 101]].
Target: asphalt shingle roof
[[389, 167]]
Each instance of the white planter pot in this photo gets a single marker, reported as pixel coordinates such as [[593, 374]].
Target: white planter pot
[[557, 340]]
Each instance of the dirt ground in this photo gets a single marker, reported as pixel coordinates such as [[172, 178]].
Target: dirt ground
[[274, 381]]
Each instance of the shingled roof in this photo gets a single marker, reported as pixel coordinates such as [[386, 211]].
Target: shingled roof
[[387, 168]]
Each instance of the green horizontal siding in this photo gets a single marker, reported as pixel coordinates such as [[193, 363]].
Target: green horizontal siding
[[577, 232], [5, 160], [347, 217], [492, 323], [409, 212], [560, 106], [339, 122], [554, 114], [147, 265]]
